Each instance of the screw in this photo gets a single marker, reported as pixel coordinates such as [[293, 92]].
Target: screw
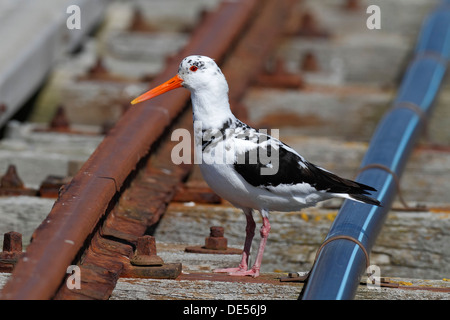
[[145, 254], [11, 179], [216, 240]]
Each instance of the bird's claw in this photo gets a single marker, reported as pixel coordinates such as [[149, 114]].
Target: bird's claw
[[229, 270], [253, 272]]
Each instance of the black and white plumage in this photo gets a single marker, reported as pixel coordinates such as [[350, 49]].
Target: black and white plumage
[[247, 167]]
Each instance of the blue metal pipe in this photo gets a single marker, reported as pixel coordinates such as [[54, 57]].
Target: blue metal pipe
[[338, 268]]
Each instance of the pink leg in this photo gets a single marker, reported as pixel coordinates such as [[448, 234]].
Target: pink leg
[[254, 271], [250, 232]]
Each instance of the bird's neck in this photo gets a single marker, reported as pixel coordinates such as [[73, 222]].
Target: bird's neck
[[210, 109]]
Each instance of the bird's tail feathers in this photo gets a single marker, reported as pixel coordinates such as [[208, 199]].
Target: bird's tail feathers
[[341, 187], [365, 199], [359, 198]]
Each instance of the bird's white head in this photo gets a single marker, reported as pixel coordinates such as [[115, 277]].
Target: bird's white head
[[199, 74]]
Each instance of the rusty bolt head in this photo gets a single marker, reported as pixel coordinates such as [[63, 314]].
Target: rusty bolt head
[[216, 243], [11, 179], [98, 67], [309, 26], [351, 5], [309, 62], [216, 232], [146, 245], [59, 121], [12, 242], [145, 254], [216, 240], [308, 23]]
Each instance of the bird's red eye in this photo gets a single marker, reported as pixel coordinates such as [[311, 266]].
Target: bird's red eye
[[193, 68]]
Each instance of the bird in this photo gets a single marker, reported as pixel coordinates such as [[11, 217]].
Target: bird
[[250, 168]]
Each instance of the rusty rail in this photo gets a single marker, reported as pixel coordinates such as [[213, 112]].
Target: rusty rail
[[92, 196], [79, 208]]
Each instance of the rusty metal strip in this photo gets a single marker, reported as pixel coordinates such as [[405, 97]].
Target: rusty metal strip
[[107, 175], [433, 289], [127, 225], [263, 278], [79, 208], [138, 207]]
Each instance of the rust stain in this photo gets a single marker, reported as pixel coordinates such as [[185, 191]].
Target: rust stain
[[263, 278]]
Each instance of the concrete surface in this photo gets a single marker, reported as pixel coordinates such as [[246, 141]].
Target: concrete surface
[[23, 214], [34, 36], [38, 154], [154, 289], [267, 288], [411, 244], [319, 112]]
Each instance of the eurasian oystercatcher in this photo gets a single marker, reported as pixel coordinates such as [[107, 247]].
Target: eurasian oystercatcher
[[247, 167]]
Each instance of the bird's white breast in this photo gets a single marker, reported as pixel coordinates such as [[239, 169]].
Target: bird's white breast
[[231, 186]]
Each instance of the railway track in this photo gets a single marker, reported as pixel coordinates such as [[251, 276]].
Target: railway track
[[60, 238], [101, 216]]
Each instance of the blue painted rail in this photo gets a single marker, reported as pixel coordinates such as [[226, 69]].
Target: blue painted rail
[[338, 268]]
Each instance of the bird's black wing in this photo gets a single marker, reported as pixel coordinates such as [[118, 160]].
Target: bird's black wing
[[293, 169]]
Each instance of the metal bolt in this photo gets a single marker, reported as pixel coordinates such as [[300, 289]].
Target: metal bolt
[[351, 5], [59, 121], [139, 23], [52, 185], [216, 243], [12, 242], [309, 26], [216, 232], [3, 108], [145, 254], [309, 62], [11, 179], [98, 68], [12, 250], [216, 240]]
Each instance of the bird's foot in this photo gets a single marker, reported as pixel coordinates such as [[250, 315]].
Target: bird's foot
[[229, 270], [253, 272]]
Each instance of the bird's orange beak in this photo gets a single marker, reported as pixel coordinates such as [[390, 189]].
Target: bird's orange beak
[[175, 82]]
